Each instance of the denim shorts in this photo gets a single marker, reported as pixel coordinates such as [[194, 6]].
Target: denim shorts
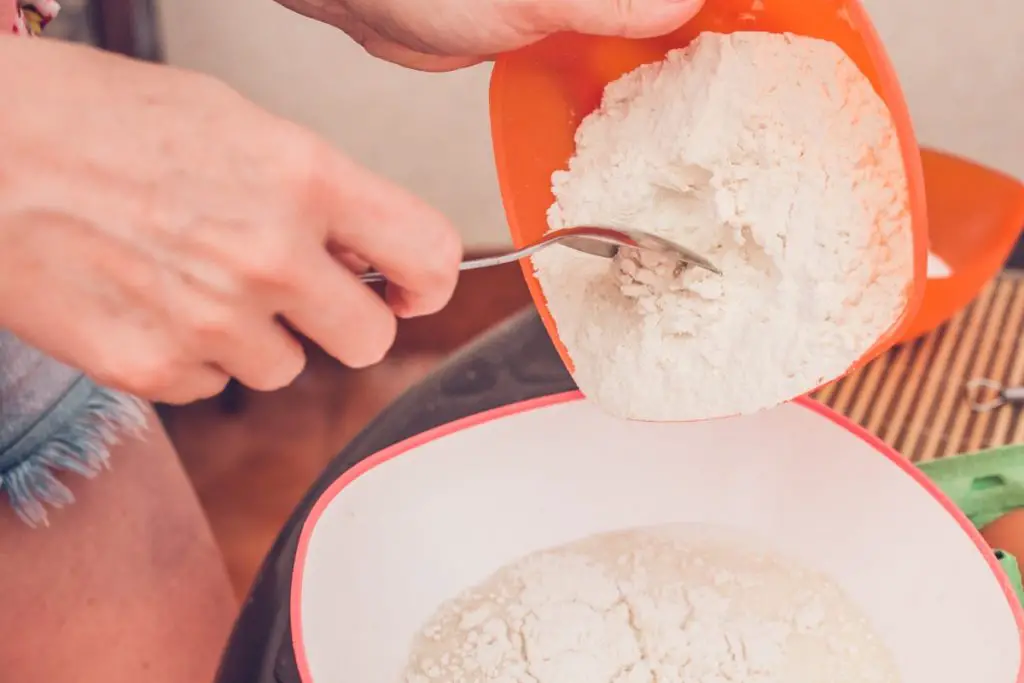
[[54, 420]]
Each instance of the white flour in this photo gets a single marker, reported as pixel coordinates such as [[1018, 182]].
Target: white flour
[[771, 155], [651, 606]]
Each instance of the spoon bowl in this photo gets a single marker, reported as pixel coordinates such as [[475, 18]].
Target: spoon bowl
[[606, 242]]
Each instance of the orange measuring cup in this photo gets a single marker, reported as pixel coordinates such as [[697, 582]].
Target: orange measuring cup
[[539, 95]]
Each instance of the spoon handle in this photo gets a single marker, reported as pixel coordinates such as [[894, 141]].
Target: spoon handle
[[471, 264]]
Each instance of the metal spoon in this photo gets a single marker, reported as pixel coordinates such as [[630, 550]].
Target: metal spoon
[[603, 242]]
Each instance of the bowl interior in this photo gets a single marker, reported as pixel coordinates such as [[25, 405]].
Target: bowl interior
[[975, 217], [975, 213], [540, 94], [418, 523]]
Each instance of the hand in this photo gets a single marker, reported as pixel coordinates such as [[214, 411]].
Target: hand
[[441, 35], [162, 233]]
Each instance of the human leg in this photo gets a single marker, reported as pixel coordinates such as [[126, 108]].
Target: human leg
[[127, 583]]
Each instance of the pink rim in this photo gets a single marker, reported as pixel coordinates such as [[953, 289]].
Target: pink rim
[[403, 447]]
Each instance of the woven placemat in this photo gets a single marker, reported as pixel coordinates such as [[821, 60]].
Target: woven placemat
[[913, 396]]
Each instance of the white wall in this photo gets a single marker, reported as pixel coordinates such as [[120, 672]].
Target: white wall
[[961, 63]]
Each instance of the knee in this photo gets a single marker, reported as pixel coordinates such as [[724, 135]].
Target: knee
[[124, 584]]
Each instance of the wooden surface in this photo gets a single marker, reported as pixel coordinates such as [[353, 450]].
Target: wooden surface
[[913, 396]]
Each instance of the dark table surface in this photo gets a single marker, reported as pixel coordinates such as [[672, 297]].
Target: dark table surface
[[1016, 260], [514, 362]]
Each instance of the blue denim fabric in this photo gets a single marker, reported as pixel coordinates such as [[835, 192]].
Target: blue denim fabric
[[53, 419]]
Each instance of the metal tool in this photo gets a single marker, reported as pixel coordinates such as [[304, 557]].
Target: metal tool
[[603, 242], [983, 395]]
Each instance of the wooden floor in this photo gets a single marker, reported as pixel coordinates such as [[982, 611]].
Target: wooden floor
[[252, 456]]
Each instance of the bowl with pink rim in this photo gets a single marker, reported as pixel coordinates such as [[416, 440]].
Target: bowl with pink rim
[[414, 525]]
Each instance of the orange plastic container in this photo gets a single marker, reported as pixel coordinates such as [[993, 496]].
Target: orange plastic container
[[540, 94], [975, 217]]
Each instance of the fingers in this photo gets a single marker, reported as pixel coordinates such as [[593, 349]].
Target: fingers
[[396, 53], [190, 384], [258, 352], [149, 376], [353, 262], [265, 357], [627, 18], [412, 244], [338, 312]]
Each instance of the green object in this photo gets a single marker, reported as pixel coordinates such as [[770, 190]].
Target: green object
[[985, 486], [1012, 569]]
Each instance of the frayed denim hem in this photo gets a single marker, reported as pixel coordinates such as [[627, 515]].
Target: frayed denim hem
[[76, 435]]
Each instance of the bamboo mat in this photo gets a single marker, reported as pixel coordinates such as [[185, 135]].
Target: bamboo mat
[[912, 397]]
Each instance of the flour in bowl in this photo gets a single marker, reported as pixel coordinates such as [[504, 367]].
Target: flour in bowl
[[657, 605], [771, 155]]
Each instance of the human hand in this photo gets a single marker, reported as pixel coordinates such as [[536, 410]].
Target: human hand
[[159, 231], [441, 35]]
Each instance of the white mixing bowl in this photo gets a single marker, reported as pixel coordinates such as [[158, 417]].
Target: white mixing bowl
[[414, 525]]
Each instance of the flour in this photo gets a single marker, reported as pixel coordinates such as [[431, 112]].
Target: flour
[[771, 155], [651, 606]]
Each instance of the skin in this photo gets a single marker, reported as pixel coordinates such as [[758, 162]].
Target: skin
[[176, 237], [179, 235], [126, 585], [450, 34], [168, 246]]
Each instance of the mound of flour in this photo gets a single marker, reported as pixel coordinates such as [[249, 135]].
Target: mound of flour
[[651, 606], [771, 155]]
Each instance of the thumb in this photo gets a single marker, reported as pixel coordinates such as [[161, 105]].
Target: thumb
[[626, 18]]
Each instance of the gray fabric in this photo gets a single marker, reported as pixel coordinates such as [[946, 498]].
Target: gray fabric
[[53, 419], [30, 384]]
